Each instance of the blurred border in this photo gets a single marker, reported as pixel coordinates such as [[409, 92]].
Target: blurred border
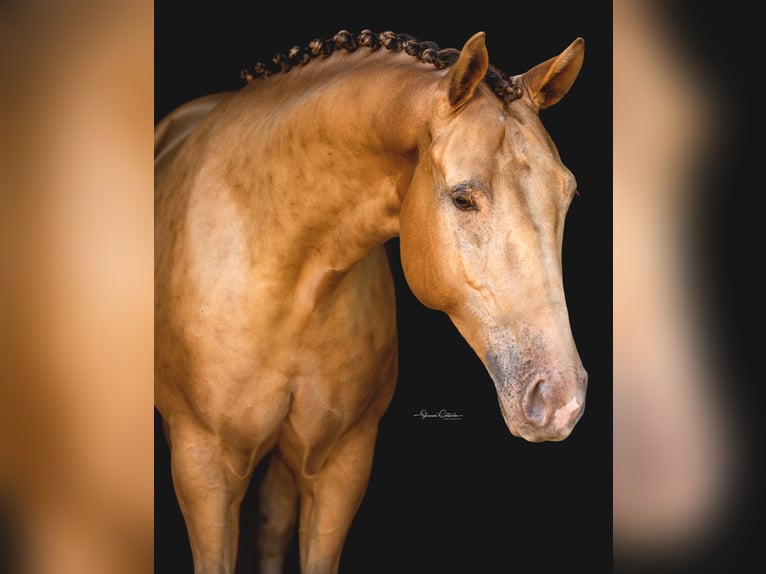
[[76, 260], [684, 197]]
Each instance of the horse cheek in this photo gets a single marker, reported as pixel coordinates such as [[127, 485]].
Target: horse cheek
[[424, 253]]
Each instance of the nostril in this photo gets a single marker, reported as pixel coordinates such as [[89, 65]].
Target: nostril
[[534, 404]]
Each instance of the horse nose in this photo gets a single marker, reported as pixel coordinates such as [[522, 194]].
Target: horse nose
[[553, 406]]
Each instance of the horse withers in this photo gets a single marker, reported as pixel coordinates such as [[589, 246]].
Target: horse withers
[[274, 300]]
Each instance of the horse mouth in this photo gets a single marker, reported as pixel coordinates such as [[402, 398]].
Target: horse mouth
[[511, 426]]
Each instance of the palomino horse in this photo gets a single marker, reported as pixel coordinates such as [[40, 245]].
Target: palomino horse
[[274, 299]]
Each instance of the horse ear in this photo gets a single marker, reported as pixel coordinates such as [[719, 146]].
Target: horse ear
[[549, 81], [466, 73]]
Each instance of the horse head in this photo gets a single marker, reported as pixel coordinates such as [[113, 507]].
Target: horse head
[[481, 230]]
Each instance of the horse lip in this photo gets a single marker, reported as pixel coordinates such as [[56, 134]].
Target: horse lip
[[512, 428], [543, 435]]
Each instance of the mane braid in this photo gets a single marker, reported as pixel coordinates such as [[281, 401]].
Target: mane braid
[[427, 52]]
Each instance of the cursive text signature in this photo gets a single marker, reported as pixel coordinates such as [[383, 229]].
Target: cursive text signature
[[443, 414]]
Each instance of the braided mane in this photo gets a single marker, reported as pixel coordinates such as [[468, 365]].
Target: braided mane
[[425, 51]]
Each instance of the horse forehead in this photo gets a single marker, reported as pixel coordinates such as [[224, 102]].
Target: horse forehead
[[486, 113], [498, 138]]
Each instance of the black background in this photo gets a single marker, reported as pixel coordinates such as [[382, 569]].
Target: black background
[[461, 496]]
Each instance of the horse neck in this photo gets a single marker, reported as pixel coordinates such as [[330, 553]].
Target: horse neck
[[336, 146]]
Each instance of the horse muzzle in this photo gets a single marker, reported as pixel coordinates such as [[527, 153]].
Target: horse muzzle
[[542, 405]]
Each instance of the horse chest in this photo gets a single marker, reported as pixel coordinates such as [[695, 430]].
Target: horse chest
[[341, 384]]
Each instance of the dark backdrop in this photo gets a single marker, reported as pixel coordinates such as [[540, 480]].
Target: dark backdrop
[[463, 496]]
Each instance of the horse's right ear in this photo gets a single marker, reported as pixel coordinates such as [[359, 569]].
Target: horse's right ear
[[466, 73]]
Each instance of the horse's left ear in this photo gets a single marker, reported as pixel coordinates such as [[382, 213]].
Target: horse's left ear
[[467, 72], [549, 81]]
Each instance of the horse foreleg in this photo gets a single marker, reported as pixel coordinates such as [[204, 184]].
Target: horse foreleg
[[278, 513], [209, 483], [331, 498]]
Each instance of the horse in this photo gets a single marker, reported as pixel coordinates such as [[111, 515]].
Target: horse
[[275, 325]]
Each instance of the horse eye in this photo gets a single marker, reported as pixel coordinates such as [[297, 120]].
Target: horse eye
[[463, 200]]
